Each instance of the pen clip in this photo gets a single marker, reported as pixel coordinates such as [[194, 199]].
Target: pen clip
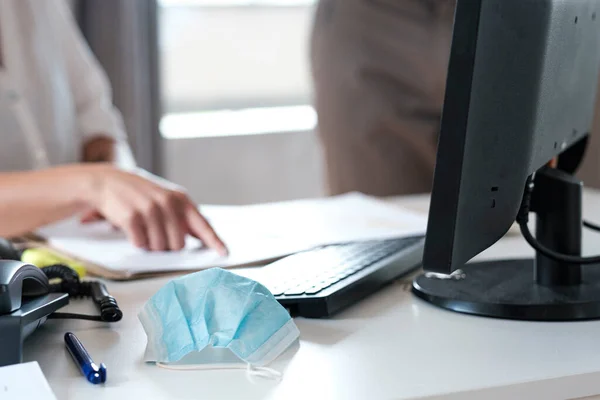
[[88, 368], [97, 374]]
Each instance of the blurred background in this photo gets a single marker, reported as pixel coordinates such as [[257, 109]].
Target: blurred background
[[236, 121], [236, 81], [217, 94]]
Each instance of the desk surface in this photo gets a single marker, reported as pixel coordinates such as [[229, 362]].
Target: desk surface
[[390, 346]]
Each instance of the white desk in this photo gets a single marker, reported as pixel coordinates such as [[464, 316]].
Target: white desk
[[390, 346]]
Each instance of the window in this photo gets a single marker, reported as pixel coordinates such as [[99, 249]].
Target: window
[[234, 67]]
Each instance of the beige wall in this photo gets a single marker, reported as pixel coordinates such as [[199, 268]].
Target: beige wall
[[590, 169]]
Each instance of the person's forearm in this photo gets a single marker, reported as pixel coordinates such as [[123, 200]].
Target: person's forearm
[[29, 200]]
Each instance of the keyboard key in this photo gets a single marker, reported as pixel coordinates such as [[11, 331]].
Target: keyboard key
[[314, 285], [301, 281], [294, 292], [371, 260], [340, 267], [343, 276], [353, 263], [318, 278], [314, 290], [329, 282], [277, 291], [321, 286]]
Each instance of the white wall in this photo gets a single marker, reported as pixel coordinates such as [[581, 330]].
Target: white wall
[[247, 169], [221, 57]]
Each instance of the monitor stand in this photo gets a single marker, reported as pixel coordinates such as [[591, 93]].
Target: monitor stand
[[537, 290]]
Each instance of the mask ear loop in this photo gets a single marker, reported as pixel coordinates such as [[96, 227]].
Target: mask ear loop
[[263, 372], [252, 371]]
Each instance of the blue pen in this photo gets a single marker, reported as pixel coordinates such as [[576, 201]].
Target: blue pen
[[90, 370]]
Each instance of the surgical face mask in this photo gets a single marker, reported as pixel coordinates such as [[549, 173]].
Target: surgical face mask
[[220, 309]]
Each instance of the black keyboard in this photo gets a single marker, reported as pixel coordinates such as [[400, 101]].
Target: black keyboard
[[323, 281]]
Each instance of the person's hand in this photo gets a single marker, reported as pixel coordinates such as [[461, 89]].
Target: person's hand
[[153, 216]]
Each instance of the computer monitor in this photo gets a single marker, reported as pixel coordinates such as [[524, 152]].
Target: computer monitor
[[521, 91]]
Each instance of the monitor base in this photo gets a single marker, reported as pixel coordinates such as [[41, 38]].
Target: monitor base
[[507, 289]]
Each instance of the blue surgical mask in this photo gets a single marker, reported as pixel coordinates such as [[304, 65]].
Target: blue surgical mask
[[220, 309]]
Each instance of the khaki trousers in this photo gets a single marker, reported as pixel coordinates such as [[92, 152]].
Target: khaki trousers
[[589, 171], [379, 68]]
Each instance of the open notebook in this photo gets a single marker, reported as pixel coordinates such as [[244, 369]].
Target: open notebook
[[255, 234]]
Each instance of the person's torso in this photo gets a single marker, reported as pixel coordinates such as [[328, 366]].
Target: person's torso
[[38, 125]]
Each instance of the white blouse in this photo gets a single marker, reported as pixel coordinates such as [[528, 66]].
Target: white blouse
[[53, 94]]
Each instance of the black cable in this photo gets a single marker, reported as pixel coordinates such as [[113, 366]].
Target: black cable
[[109, 309], [565, 258], [591, 225], [62, 272], [75, 316], [69, 283], [523, 219]]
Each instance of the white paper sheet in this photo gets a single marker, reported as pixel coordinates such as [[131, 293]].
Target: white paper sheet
[[253, 233], [24, 381]]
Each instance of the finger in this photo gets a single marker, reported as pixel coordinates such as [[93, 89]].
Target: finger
[[135, 230], [95, 216], [155, 227], [91, 216], [201, 229], [172, 211]]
